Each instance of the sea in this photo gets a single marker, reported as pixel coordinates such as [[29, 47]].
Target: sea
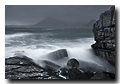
[[35, 42]]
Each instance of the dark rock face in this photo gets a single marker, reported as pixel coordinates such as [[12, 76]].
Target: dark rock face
[[104, 35], [103, 75], [24, 68]]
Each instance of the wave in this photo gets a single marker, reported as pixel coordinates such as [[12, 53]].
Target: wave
[[79, 49], [7, 36], [43, 46]]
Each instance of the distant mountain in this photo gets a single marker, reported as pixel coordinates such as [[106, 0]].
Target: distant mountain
[[90, 23], [51, 22]]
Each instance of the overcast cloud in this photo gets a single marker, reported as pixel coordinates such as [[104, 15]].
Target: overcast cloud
[[31, 14]]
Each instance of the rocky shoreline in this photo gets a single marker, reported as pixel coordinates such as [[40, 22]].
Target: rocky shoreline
[[23, 67]]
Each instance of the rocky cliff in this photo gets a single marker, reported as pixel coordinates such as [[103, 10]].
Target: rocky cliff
[[104, 35]]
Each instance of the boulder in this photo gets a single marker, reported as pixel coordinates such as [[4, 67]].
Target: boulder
[[71, 71], [50, 66], [103, 75], [73, 63], [56, 55], [85, 71], [54, 60], [75, 73]]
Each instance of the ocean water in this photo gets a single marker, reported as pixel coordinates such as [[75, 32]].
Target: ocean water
[[37, 42]]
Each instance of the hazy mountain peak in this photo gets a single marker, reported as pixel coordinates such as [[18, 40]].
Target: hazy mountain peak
[[51, 22]]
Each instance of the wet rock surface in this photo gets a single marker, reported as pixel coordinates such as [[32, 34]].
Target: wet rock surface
[[73, 63], [54, 60], [103, 75], [104, 35], [57, 54], [50, 66], [24, 68], [72, 71], [75, 73]]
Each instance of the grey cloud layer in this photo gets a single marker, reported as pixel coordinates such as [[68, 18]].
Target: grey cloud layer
[[31, 14]]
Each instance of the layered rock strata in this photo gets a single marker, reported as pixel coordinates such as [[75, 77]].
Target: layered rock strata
[[104, 35], [24, 68]]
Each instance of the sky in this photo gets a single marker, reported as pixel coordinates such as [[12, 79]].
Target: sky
[[32, 14]]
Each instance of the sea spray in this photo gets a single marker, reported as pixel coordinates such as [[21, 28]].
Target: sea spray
[[36, 46], [87, 60]]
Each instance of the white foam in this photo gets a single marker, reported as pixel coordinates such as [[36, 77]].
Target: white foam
[[79, 49], [16, 35]]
